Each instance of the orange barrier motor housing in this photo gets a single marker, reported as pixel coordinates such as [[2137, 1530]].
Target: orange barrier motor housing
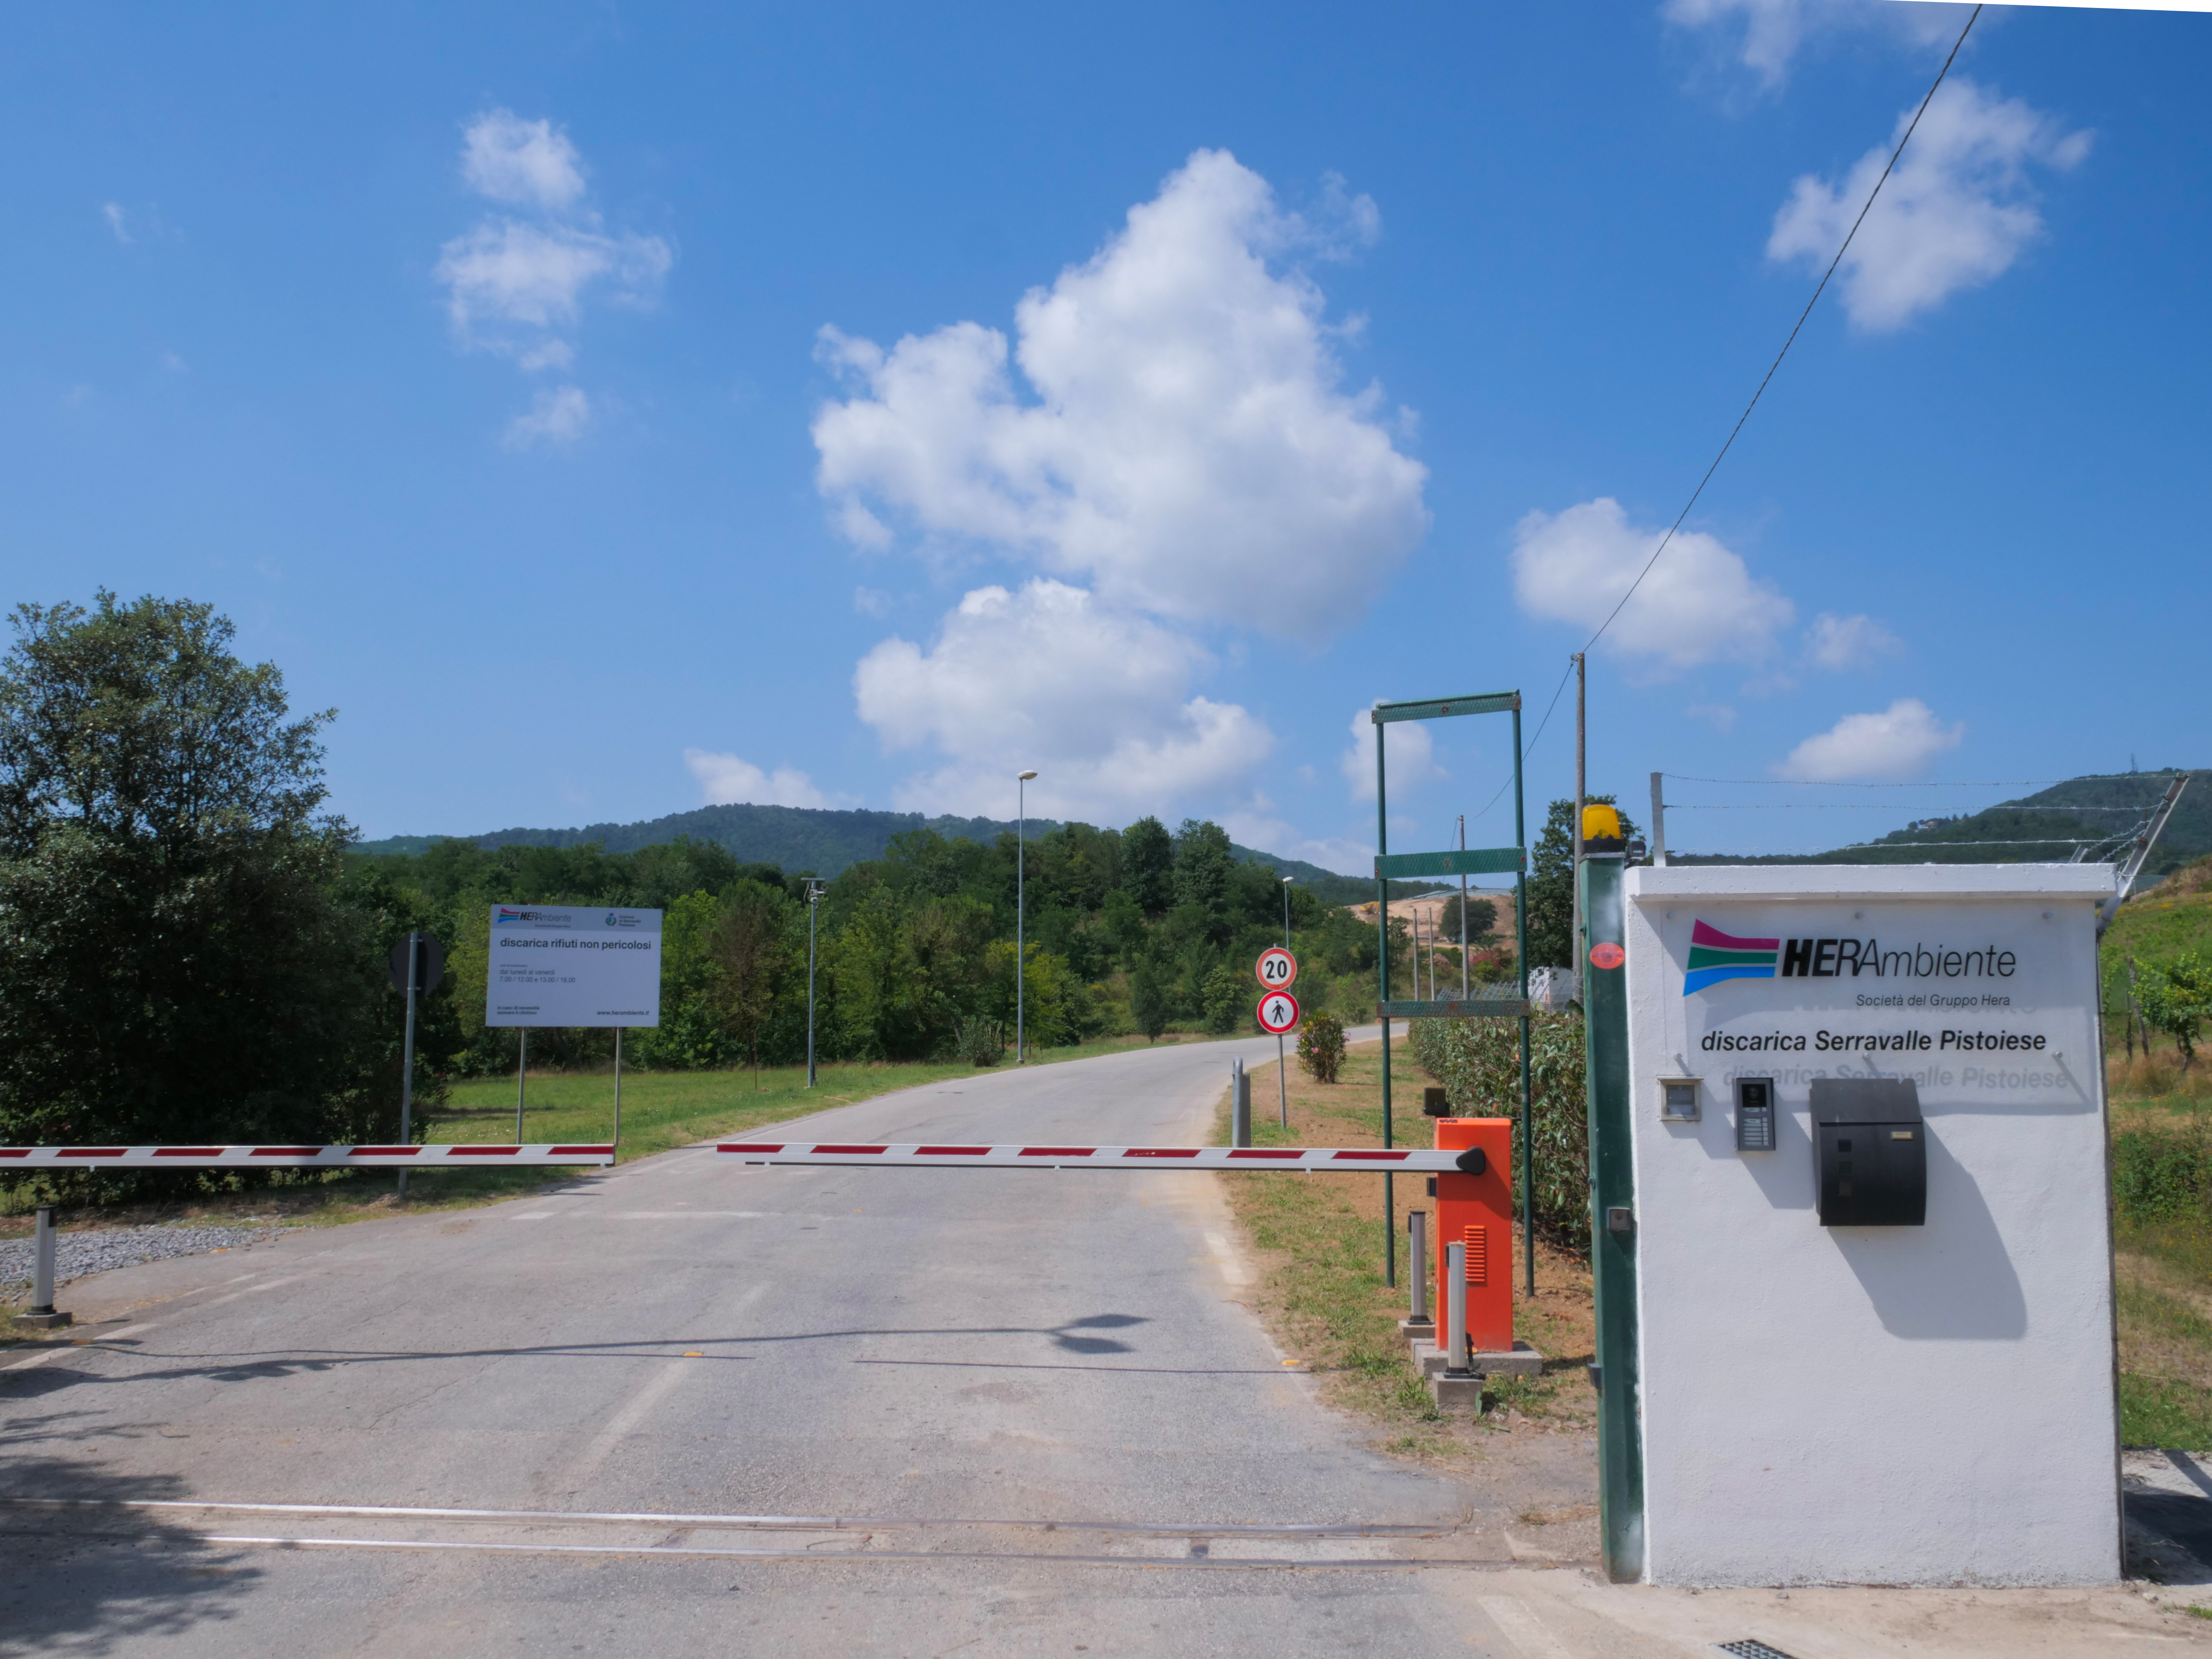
[[1477, 1211]]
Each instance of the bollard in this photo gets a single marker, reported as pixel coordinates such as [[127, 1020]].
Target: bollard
[[42, 1312], [1240, 1112], [1416, 1268], [1455, 1351]]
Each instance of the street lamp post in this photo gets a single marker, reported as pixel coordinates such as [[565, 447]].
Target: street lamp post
[[814, 891], [1021, 820]]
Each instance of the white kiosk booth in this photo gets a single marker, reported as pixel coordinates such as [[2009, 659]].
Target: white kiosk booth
[[1870, 1236]]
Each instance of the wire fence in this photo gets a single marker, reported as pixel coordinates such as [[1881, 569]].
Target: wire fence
[[2106, 830]]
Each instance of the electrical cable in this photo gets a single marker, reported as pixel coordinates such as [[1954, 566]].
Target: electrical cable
[[1529, 747], [1792, 340]]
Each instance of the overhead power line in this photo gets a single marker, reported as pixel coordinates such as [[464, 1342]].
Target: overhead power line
[[1529, 748], [1792, 340]]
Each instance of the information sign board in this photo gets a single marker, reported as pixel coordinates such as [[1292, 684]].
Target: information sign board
[[563, 964]]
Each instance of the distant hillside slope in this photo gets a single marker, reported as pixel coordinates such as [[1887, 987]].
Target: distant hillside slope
[[2034, 828], [824, 842]]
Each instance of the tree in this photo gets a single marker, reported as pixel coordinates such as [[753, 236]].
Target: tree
[[1148, 865], [1148, 1002], [1481, 921], [1551, 883], [752, 953], [1202, 866], [2177, 1000], [1226, 995], [177, 960]]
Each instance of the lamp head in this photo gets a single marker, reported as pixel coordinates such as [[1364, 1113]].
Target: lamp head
[[1026, 776]]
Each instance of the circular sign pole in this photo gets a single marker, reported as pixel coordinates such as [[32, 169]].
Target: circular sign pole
[[1278, 971], [1277, 1013]]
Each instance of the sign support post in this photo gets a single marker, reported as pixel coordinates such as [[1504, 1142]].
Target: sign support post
[[407, 1054], [416, 965]]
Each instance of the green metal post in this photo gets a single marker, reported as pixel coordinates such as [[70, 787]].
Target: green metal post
[[1382, 985], [1520, 955], [1612, 1222]]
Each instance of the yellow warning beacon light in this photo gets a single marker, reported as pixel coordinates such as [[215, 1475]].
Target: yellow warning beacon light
[[1600, 828]]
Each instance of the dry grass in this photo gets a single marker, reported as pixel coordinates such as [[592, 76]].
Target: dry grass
[[1318, 1241]]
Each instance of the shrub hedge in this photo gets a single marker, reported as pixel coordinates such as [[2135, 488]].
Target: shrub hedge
[[1478, 1061]]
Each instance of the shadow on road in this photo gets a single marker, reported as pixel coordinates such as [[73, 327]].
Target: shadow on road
[[82, 1578], [1074, 1336]]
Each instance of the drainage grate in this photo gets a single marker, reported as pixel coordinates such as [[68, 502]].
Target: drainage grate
[[1748, 1648]]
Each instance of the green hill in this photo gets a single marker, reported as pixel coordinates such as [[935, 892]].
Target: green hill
[[824, 842]]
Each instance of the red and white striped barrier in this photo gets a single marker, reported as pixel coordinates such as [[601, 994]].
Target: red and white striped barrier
[[1309, 1158], [537, 1154]]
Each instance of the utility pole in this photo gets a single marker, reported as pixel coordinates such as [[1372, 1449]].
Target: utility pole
[[1462, 913], [814, 890], [1575, 882], [1021, 820]]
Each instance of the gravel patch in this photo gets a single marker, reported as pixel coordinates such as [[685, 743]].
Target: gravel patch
[[79, 1254]]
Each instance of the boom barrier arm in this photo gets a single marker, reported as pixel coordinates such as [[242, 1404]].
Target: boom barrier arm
[[1338, 1159], [539, 1155]]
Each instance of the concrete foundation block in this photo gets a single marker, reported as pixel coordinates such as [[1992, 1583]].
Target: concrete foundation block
[[45, 1322], [1424, 1328], [1457, 1393], [1521, 1361]]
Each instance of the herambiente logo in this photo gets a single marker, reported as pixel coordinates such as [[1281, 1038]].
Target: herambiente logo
[[1715, 956]]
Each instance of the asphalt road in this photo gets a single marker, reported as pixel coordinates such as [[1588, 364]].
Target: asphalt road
[[692, 1407], [1029, 1411]]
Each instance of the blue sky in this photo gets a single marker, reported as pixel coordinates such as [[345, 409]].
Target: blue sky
[[609, 410]]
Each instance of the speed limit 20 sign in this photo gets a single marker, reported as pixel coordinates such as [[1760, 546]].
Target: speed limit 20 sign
[[1278, 1013], [1277, 968]]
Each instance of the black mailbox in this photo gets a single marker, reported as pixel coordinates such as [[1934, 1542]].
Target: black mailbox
[[1870, 1151]]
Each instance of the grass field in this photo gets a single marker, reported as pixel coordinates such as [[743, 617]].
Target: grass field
[[1318, 1240], [659, 1111], [2164, 1270]]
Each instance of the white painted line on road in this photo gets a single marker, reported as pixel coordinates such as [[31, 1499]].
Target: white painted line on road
[[1206, 1563], [531, 1215], [252, 1290], [789, 1523], [1522, 1627], [1231, 1269], [634, 1411], [39, 1359]]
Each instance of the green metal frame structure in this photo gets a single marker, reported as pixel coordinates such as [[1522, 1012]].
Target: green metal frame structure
[[1468, 861]]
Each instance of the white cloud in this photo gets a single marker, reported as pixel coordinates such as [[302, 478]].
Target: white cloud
[[519, 287], [1719, 715], [173, 363], [535, 279], [1891, 746], [1256, 826], [556, 416], [871, 601], [1046, 677], [510, 160], [1842, 642], [1407, 752], [118, 221], [1189, 449], [1766, 34], [726, 779], [1955, 213], [1699, 603]]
